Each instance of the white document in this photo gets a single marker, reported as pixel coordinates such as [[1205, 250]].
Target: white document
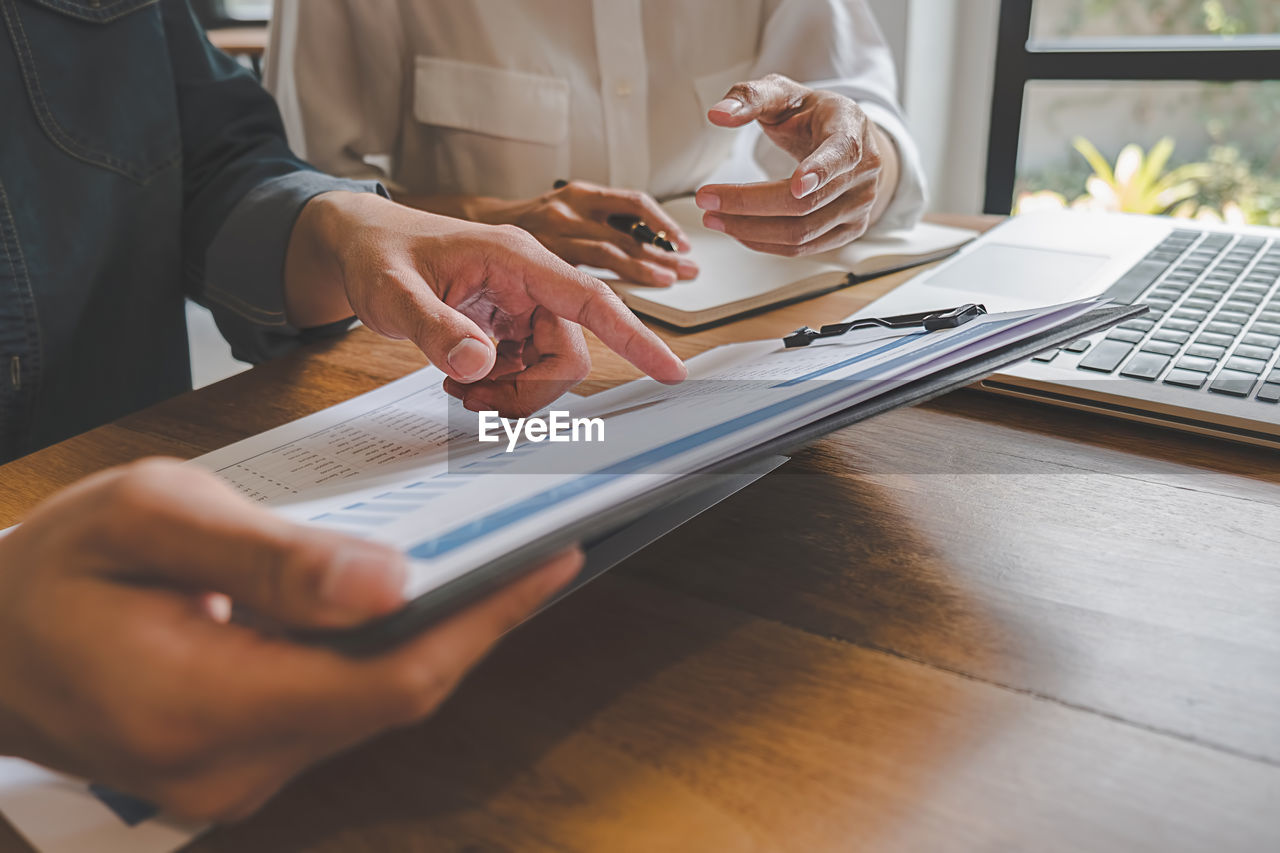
[[58, 814]]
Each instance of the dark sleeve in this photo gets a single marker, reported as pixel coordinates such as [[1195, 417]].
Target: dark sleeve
[[243, 190]]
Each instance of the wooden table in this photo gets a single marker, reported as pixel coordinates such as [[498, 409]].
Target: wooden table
[[247, 41], [978, 624]]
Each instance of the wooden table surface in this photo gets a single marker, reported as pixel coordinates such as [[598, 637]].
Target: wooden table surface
[[977, 624], [247, 41]]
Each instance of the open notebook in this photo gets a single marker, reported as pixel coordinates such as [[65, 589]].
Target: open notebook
[[736, 280]]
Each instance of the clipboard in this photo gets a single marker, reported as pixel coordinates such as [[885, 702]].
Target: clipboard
[[453, 596]]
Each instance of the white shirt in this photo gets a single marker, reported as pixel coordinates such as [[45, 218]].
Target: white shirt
[[503, 97]]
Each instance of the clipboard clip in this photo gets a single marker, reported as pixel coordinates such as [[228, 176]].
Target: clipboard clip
[[930, 321]]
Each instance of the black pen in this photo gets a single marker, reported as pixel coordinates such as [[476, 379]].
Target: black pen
[[633, 225], [640, 230]]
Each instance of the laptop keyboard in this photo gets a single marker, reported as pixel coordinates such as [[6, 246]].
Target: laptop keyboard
[[1214, 323]]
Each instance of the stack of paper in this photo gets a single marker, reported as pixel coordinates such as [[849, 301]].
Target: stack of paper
[[396, 466]]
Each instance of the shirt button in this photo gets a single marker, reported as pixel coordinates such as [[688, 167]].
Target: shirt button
[[622, 90]]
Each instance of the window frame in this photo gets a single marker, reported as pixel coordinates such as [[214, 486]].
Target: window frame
[[1020, 61]]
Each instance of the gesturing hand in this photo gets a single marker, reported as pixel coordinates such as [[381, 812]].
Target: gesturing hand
[[455, 288], [846, 176], [570, 221], [117, 662]]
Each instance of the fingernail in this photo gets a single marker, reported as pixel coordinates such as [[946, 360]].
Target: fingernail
[[687, 269], [715, 223], [364, 577], [665, 277], [808, 183], [707, 200], [469, 360], [732, 106]]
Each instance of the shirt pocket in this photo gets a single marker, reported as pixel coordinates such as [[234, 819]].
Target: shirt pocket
[[97, 73], [492, 130]]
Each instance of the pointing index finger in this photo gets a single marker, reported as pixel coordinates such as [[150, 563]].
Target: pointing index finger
[[574, 295]]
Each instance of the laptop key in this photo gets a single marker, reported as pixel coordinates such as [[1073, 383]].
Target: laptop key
[[1253, 339], [1233, 383], [1206, 351], [1198, 363], [1180, 325], [1128, 335], [1078, 346], [1186, 378], [1106, 356], [1146, 365], [1246, 365], [1269, 393], [1239, 317], [1132, 284], [1262, 327], [1221, 328], [1046, 356], [1248, 351], [1245, 303], [1274, 376], [1216, 339], [1171, 335], [1142, 324], [1161, 347], [1196, 302]]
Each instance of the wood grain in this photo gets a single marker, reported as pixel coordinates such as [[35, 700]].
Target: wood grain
[[978, 624]]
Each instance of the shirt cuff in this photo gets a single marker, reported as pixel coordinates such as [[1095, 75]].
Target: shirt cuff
[[244, 267], [909, 199]]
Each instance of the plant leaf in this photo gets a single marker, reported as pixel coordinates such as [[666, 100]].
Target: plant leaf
[[1100, 166]]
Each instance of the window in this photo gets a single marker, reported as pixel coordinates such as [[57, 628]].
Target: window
[[1150, 106]]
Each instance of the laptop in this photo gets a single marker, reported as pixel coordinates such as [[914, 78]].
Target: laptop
[[1203, 360]]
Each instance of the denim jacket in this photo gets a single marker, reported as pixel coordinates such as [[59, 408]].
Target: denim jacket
[[137, 165]]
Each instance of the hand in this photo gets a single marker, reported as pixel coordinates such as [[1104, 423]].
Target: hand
[[118, 664], [454, 288], [846, 177], [570, 221]]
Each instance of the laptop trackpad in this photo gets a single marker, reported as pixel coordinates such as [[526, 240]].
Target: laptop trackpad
[[1021, 275]]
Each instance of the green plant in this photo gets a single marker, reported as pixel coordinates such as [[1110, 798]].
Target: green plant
[[1138, 183], [1225, 187]]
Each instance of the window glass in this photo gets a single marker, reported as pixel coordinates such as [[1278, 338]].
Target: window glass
[[1068, 20], [1111, 145]]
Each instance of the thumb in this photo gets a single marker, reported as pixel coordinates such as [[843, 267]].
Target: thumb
[[181, 526], [452, 341], [769, 100], [410, 309]]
